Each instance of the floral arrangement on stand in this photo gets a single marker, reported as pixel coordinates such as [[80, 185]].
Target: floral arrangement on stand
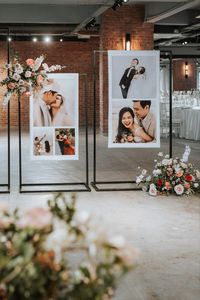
[[37, 249], [171, 176], [25, 78]]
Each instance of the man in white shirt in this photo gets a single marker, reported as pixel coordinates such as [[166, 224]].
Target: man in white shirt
[[41, 114], [145, 117]]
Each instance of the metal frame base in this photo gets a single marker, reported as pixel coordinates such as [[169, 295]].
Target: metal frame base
[[97, 189], [87, 188], [7, 191]]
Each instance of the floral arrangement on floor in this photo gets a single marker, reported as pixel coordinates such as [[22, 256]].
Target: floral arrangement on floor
[[58, 253], [23, 78], [171, 176]]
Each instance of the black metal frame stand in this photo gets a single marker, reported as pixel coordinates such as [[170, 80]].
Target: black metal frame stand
[[95, 183], [85, 184], [7, 186]]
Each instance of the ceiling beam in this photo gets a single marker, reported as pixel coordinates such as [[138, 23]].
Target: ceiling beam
[[96, 14], [173, 11]]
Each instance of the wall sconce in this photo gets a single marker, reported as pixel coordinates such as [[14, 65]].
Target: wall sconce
[[186, 69], [128, 42]]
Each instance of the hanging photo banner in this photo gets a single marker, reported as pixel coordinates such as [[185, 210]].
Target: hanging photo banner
[[134, 113], [54, 119]]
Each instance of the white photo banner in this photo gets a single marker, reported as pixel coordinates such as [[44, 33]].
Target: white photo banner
[[134, 111], [54, 129]]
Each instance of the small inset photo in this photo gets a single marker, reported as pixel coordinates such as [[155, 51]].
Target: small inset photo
[[42, 142], [65, 141]]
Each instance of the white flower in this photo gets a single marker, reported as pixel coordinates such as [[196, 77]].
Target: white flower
[[160, 154], [82, 217], [144, 172], [167, 156], [45, 67], [196, 184], [38, 63], [158, 164], [183, 165], [16, 77], [148, 178], [28, 74], [37, 217], [179, 189], [22, 89], [152, 190], [139, 178], [157, 172], [175, 161], [165, 162], [21, 82], [18, 69]]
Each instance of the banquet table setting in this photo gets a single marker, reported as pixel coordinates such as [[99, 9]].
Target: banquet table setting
[[185, 113]]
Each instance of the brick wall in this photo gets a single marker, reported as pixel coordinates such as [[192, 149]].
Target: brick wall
[[76, 56], [114, 26], [180, 83]]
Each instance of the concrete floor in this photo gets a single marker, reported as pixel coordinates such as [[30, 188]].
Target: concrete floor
[[164, 229]]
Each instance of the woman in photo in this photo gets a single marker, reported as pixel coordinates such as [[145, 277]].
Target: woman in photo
[[128, 130], [58, 112], [69, 148]]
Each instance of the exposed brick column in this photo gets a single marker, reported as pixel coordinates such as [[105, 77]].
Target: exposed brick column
[[114, 26]]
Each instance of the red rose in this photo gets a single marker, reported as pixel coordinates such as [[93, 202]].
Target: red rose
[[159, 182], [188, 177]]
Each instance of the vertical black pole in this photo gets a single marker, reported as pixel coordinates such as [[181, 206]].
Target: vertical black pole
[[20, 154], [8, 114], [86, 129], [94, 117], [170, 104]]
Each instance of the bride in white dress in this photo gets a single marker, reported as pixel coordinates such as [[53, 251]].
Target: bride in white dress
[[59, 114]]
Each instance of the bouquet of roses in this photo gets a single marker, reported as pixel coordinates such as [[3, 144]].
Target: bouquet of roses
[[58, 253], [23, 78], [171, 176]]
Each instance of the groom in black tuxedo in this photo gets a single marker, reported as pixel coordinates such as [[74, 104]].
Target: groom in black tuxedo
[[127, 77]]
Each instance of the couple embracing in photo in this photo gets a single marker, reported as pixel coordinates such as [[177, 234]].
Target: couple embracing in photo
[[137, 124], [50, 110]]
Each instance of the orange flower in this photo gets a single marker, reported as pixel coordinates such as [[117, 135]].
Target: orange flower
[[30, 62], [187, 185], [11, 85], [40, 79], [168, 185], [179, 173]]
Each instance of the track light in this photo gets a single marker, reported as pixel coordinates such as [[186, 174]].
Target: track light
[[34, 39], [90, 24], [47, 39], [118, 3]]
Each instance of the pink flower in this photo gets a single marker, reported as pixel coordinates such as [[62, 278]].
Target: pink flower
[[179, 189], [40, 79], [186, 185], [36, 218], [30, 62]]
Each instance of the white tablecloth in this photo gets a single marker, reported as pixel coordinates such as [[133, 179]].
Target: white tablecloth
[[190, 122]]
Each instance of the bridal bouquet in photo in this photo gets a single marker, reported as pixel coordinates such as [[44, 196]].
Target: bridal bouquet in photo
[[23, 78], [58, 253], [171, 176]]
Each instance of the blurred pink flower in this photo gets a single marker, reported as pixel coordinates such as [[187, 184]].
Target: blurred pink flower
[[36, 218], [30, 62]]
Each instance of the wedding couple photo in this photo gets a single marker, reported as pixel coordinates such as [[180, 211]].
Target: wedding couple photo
[[133, 124], [55, 105], [133, 75]]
